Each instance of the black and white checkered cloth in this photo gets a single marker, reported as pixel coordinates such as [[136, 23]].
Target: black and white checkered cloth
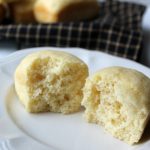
[[117, 31]]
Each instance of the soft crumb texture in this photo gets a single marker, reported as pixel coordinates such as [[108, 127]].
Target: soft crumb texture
[[51, 81], [118, 99]]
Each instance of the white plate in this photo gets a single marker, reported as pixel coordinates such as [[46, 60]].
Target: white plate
[[20, 130]]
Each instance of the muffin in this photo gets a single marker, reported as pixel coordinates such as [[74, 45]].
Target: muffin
[[118, 99], [50, 11], [10, 1], [22, 11], [51, 81], [2, 11]]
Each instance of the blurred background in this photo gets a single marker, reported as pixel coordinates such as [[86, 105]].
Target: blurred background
[[7, 47]]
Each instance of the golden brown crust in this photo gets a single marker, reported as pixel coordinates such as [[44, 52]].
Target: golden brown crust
[[2, 12], [43, 15], [10, 1], [72, 12], [22, 11]]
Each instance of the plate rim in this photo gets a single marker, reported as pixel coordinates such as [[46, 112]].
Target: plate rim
[[7, 58]]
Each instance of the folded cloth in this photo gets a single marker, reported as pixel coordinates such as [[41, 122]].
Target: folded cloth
[[117, 31]]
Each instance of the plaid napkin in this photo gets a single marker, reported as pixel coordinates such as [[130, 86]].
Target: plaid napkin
[[117, 31]]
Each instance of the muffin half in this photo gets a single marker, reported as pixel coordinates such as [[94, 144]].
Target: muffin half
[[51, 81], [118, 99]]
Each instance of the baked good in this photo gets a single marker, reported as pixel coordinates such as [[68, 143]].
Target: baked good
[[2, 11], [22, 11], [49, 11], [10, 1], [51, 81], [118, 99]]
